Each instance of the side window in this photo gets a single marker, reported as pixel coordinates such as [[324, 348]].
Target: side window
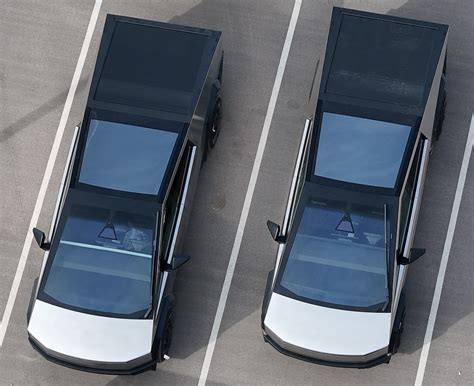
[[301, 177], [408, 195], [170, 213]]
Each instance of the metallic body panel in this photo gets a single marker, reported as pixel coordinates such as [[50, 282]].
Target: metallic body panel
[[326, 330], [90, 337]]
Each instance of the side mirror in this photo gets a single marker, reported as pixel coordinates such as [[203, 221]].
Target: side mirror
[[178, 261], [415, 254], [274, 230], [40, 239]]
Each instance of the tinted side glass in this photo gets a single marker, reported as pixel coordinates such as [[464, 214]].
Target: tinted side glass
[[408, 196], [173, 201], [300, 183]]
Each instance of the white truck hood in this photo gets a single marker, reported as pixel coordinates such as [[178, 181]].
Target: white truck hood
[[90, 337], [327, 330]]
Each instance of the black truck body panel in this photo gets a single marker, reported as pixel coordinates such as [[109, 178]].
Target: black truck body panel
[[148, 75], [155, 75], [374, 60], [165, 72], [380, 67]]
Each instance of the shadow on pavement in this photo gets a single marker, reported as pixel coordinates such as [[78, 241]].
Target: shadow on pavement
[[38, 113]]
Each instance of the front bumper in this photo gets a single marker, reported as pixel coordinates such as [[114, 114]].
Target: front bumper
[[364, 362], [133, 367]]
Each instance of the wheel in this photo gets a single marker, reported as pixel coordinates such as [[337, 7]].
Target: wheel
[[165, 341], [401, 325], [264, 336], [397, 332], [440, 117], [215, 125], [32, 300]]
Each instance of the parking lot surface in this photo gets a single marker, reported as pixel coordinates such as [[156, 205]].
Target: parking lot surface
[[40, 44]]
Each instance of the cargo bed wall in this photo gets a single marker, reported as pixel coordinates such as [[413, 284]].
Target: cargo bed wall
[[198, 125], [205, 104], [427, 122]]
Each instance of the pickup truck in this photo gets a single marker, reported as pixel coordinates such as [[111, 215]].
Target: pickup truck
[[336, 295], [103, 301]]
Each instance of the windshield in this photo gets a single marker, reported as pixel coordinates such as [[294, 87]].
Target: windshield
[[338, 257], [359, 150], [125, 157], [102, 262]]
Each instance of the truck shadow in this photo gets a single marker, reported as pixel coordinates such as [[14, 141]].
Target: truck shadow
[[38, 113]]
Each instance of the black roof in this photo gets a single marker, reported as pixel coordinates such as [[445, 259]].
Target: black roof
[[381, 58], [148, 74], [381, 68], [152, 65], [377, 75]]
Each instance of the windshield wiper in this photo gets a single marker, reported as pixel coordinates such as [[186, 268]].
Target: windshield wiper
[[148, 311], [387, 299]]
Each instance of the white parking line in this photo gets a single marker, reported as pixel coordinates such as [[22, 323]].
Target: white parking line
[[48, 172], [445, 256], [248, 197]]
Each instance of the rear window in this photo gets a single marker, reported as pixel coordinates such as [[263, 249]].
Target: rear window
[[125, 157]]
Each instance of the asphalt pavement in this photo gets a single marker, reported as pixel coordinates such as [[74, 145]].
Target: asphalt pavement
[[39, 48]]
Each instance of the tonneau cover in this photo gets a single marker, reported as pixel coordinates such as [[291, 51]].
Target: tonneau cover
[[152, 65], [381, 58]]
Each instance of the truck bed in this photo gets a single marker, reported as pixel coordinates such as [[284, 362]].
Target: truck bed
[[152, 65], [381, 58]]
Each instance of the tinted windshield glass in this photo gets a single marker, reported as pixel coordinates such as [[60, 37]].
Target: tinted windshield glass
[[103, 262], [359, 150], [338, 257], [125, 157]]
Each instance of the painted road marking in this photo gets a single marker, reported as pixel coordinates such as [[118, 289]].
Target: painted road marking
[[48, 172], [248, 197], [445, 256]]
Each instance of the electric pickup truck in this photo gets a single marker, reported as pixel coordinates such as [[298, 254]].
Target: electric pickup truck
[[103, 301], [336, 295]]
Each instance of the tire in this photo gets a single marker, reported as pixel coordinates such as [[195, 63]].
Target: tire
[[266, 296], [165, 340], [32, 300], [214, 127], [398, 332], [440, 118]]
